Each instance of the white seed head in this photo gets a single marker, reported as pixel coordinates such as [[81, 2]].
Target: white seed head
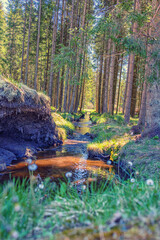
[[84, 187], [130, 164], [132, 180], [14, 234], [150, 182], [41, 186], [109, 162], [29, 161], [32, 167], [17, 207], [68, 174]]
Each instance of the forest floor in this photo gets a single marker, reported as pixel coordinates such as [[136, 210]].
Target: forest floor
[[114, 209]]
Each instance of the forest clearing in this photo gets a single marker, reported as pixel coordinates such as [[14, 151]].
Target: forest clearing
[[80, 119]]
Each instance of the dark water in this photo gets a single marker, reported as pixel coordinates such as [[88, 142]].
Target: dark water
[[67, 161]]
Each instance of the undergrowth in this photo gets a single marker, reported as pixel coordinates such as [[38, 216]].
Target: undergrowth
[[64, 128], [28, 211], [110, 133]]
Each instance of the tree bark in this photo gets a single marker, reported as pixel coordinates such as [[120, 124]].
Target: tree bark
[[131, 71], [54, 36], [24, 34], [119, 85], [111, 78], [37, 51], [68, 70], [115, 82], [79, 56], [134, 88], [29, 35], [108, 58], [144, 93]]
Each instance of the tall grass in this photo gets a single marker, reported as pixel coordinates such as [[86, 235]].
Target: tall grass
[[30, 212]]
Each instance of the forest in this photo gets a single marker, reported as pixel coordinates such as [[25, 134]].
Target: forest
[[79, 119], [97, 53]]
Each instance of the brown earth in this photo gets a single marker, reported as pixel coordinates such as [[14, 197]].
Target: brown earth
[[26, 124]]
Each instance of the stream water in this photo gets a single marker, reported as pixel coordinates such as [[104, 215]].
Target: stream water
[[67, 161]]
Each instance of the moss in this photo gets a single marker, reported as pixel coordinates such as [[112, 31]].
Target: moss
[[64, 128], [21, 94]]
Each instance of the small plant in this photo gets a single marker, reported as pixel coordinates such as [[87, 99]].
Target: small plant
[[156, 137]]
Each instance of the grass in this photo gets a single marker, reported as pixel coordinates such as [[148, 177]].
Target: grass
[[69, 116], [72, 116], [64, 128], [145, 156], [28, 213], [110, 133]]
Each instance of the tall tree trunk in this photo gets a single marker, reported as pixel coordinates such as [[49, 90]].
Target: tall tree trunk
[[79, 56], [131, 71], [134, 88], [125, 92], [119, 85], [24, 34], [144, 93], [47, 60], [61, 42], [29, 35], [54, 36], [37, 51], [111, 78], [115, 82], [103, 76], [100, 82], [108, 58], [68, 70]]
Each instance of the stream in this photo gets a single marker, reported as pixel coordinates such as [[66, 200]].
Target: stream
[[69, 160]]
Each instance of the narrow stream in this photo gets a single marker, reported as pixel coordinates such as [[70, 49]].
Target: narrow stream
[[67, 161]]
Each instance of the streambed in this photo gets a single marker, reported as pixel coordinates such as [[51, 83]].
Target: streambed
[[71, 157]]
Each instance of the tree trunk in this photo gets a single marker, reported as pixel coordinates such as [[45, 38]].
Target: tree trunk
[[54, 36], [24, 34], [144, 93], [131, 71], [108, 58], [68, 70], [115, 82], [29, 34], [119, 85], [37, 51], [134, 88], [100, 82], [78, 72], [125, 93], [111, 77]]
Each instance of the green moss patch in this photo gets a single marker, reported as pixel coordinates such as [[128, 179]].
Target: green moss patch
[[64, 128]]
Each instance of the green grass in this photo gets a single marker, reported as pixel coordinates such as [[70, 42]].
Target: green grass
[[110, 133], [145, 156], [63, 127], [37, 214], [72, 116]]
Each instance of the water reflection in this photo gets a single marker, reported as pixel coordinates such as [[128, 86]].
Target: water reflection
[[70, 157]]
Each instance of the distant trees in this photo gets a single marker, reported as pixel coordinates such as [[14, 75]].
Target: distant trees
[[45, 44], [48, 46]]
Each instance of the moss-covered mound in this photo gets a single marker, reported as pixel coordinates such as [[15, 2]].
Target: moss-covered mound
[[144, 156], [25, 119]]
